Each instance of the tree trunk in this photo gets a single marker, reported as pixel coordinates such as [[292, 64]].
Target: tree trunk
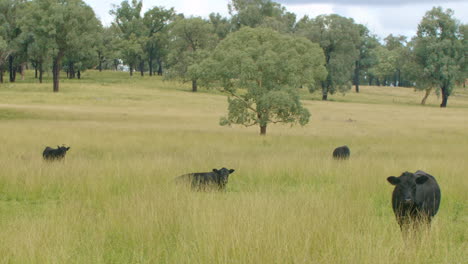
[[356, 76], [324, 91], [1, 75], [22, 69], [445, 96], [41, 71], [194, 86], [142, 68], [79, 74], [35, 71], [56, 72], [100, 61], [71, 69], [11, 69], [160, 68], [428, 92], [131, 70], [150, 66], [263, 130]]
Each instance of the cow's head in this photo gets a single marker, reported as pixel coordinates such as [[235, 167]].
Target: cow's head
[[222, 176], [405, 186], [63, 149]]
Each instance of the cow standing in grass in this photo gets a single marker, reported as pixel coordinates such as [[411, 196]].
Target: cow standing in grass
[[342, 152], [55, 154], [415, 199], [217, 179]]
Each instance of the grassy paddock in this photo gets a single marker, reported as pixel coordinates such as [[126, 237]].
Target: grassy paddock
[[113, 199]]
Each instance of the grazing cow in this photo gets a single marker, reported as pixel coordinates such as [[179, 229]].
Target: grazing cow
[[55, 154], [216, 179], [416, 197], [341, 152]]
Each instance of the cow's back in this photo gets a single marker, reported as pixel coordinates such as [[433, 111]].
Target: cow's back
[[428, 194], [47, 151]]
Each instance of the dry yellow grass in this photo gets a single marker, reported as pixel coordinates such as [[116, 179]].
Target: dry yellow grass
[[113, 199]]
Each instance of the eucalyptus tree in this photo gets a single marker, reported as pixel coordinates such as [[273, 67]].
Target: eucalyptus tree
[[339, 38], [64, 26], [192, 40], [156, 22], [265, 13], [366, 58], [127, 17], [439, 51], [260, 70], [222, 26], [10, 31], [3, 56], [385, 66]]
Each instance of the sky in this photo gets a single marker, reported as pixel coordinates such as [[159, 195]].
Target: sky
[[382, 17]]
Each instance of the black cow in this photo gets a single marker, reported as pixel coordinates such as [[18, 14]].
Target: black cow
[[416, 197], [217, 179], [341, 152], [54, 154]]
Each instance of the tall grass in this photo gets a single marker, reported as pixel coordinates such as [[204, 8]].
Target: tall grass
[[113, 199]]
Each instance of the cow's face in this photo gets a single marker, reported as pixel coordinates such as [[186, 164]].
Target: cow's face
[[405, 186], [63, 149], [223, 175]]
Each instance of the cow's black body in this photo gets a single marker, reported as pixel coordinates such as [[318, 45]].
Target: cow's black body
[[216, 179], [416, 197], [54, 154]]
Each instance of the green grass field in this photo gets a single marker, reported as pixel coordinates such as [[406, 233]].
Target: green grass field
[[113, 199]]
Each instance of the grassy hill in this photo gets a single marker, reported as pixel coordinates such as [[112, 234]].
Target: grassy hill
[[113, 199]]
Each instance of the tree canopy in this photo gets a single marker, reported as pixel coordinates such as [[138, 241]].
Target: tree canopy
[[261, 70], [439, 51]]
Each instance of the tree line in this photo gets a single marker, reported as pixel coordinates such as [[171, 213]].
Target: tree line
[[260, 47]]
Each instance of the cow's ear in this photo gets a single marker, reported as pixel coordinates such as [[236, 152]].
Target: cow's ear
[[215, 170], [68, 148], [393, 180], [231, 171], [422, 179], [58, 146]]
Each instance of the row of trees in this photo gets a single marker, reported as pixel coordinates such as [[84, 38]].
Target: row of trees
[[260, 48]]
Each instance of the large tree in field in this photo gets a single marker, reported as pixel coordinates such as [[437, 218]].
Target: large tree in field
[[439, 52], [64, 26], [340, 40], [192, 41], [261, 71], [385, 66]]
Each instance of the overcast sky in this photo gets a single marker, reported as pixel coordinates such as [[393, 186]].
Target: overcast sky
[[384, 17]]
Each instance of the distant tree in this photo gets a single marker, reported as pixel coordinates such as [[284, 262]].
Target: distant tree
[[64, 26], [464, 37], [264, 13], [127, 17], [156, 21], [439, 52], [366, 58], [192, 41], [397, 45], [339, 38], [10, 31], [221, 25], [261, 69], [385, 66], [3, 56]]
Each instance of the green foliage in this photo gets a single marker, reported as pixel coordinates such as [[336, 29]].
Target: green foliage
[[261, 70], [439, 51], [386, 63], [261, 13], [192, 41], [340, 39]]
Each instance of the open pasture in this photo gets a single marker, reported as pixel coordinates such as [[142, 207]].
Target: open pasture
[[113, 198]]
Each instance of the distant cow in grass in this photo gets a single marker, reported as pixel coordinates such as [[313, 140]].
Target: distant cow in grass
[[341, 152], [55, 154], [217, 179], [416, 197]]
